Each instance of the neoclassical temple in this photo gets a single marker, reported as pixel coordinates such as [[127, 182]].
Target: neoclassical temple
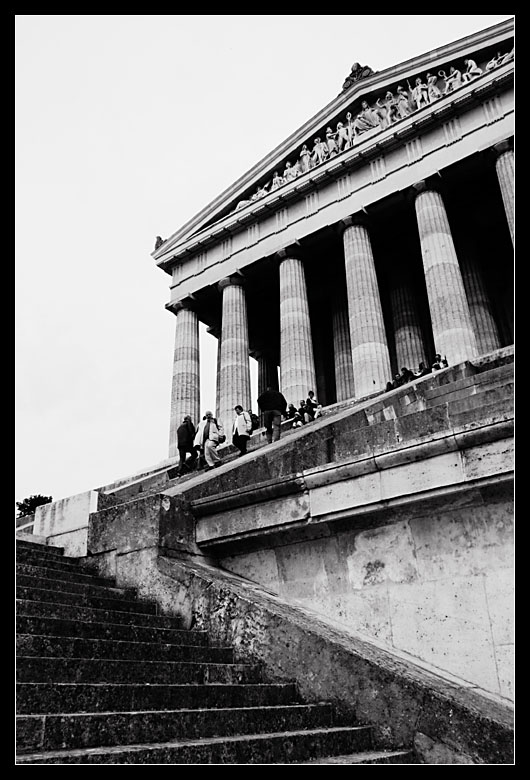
[[377, 235]]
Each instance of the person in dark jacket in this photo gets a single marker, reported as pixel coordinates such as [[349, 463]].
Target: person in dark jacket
[[273, 405], [185, 437], [310, 406]]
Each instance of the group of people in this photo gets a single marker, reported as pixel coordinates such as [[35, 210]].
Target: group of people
[[385, 112], [407, 375], [200, 442]]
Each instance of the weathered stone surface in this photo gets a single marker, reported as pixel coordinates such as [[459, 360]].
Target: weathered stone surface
[[233, 369], [371, 362], [103, 697], [381, 688], [127, 728], [185, 388], [155, 520], [297, 365], [64, 522], [450, 316], [505, 167], [282, 748]]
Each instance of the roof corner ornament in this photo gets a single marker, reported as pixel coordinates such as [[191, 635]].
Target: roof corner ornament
[[357, 72], [158, 242]]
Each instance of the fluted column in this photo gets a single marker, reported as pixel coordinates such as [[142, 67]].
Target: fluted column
[[267, 371], [505, 167], [234, 369], [185, 390], [370, 358], [452, 326], [344, 382], [408, 336], [297, 365], [214, 331], [485, 327]]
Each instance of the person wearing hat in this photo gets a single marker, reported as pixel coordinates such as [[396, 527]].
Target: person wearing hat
[[209, 435]]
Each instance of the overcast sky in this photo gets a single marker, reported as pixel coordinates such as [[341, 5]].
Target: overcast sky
[[126, 126]]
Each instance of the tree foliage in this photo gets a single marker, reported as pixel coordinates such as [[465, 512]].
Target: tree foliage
[[29, 505]]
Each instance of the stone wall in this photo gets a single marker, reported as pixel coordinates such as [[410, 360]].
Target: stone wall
[[435, 582], [65, 522]]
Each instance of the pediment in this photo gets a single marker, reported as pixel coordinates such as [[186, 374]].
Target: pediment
[[364, 108]]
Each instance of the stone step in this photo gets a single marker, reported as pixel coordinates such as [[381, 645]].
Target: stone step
[[92, 614], [74, 647], [30, 558], [23, 544], [80, 576], [84, 599], [40, 669], [33, 698], [479, 394], [488, 397], [494, 412], [54, 732], [51, 626], [369, 757], [67, 586], [273, 748], [475, 384]]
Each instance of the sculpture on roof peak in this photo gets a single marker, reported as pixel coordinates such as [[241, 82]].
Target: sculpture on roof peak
[[357, 72]]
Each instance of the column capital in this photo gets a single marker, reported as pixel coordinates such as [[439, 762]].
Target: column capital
[[430, 184], [292, 250], [187, 302], [501, 147], [360, 219], [236, 280]]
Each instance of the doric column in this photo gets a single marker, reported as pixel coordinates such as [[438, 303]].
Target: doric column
[[297, 365], [452, 326], [408, 336], [216, 333], [185, 390], [267, 370], [234, 369], [370, 359], [505, 167], [485, 327], [344, 383]]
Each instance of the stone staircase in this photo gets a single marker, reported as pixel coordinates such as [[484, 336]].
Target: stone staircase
[[102, 678]]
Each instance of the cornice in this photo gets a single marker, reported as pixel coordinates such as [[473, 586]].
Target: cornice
[[193, 234]]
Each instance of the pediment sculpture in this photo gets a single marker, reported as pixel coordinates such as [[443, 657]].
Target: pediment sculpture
[[386, 111]]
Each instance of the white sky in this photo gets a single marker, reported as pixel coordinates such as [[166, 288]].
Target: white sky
[[126, 126]]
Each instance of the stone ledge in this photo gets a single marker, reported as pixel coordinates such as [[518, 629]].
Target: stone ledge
[[328, 474]]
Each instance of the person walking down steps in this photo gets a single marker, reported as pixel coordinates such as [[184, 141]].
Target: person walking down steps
[[209, 435], [241, 429]]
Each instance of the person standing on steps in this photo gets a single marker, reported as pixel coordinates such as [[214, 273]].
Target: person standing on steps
[[209, 435], [241, 429], [273, 405]]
